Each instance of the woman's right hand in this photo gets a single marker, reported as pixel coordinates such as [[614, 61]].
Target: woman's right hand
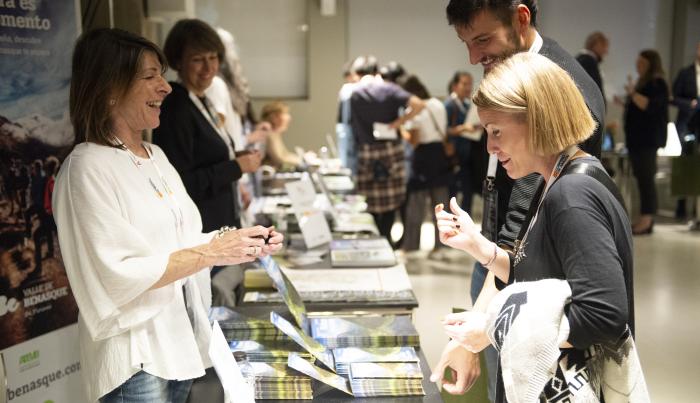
[[238, 246], [456, 230], [249, 162]]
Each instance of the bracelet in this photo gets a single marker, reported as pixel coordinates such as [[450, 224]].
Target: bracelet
[[220, 233], [493, 258]]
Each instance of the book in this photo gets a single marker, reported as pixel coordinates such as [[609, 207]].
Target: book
[[374, 252], [306, 342], [345, 356], [369, 379], [365, 331]]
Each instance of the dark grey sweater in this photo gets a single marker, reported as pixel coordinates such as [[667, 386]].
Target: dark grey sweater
[[583, 235]]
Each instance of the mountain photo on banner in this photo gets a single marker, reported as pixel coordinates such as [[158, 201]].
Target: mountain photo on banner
[[36, 44]]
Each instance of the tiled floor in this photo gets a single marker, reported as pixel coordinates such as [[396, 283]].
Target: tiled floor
[[667, 303]]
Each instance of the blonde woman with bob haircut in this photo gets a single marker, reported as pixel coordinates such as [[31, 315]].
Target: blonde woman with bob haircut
[[576, 228]]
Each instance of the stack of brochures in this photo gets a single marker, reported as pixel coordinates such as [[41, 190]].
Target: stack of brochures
[[278, 381], [375, 252], [365, 331], [239, 327], [346, 356], [268, 351], [368, 379]]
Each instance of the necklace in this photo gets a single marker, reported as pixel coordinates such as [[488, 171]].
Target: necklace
[[167, 195], [562, 160]]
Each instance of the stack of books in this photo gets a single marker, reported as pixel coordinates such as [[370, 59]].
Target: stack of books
[[278, 381], [239, 327], [365, 331], [268, 351], [346, 356], [369, 379]]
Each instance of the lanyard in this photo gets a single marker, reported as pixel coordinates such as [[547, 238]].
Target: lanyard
[[215, 122], [562, 160], [166, 195]]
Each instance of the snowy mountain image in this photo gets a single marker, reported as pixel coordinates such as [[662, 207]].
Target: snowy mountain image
[[35, 134]]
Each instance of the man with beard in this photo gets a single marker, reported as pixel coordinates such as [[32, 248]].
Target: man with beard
[[493, 30]]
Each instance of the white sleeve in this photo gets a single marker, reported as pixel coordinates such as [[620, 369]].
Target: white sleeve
[[109, 263]]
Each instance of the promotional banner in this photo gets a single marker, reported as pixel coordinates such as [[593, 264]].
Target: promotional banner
[[36, 44]]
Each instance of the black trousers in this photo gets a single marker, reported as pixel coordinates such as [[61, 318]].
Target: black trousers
[[644, 169], [384, 223]]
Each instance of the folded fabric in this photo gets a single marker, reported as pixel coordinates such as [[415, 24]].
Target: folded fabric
[[527, 326]]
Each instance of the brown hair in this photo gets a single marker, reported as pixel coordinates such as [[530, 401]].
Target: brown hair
[[656, 70], [191, 34], [105, 63], [595, 38]]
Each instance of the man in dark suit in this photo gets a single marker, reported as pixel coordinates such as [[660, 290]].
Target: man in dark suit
[[595, 49], [493, 30], [686, 92]]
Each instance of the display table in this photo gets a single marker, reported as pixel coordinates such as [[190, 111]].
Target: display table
[[208, 388]]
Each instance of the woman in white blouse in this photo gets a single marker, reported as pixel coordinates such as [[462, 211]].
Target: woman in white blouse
[[131, 238]]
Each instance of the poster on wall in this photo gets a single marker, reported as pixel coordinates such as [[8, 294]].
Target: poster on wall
[[36, 303]]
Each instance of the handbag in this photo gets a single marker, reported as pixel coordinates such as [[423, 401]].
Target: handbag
[[447, 145]]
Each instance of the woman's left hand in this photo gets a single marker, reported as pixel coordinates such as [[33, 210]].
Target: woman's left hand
[[456, 229], [468, 329], [274, 241]]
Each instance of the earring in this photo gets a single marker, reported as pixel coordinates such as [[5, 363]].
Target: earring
[[112, 102]]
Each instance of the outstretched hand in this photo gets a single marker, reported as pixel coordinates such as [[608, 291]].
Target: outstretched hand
[[456, 229]]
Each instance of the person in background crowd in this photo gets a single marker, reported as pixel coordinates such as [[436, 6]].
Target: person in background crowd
[[381, 173], [468, 154], [686, 95], [343, 130], [594, 51], [194, 137], [277, 115], [492, 30], [392, 72], [579, 232], [429, 166], [131, 237], [646, 118]]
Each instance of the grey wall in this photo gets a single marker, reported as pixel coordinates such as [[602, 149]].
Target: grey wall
[[412, 32], [415, 33]]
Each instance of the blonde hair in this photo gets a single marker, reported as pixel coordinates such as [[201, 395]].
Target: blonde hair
[[534, 87], [272, 109]]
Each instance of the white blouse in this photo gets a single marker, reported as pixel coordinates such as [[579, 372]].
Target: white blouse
[[116, 235], [431, 122]]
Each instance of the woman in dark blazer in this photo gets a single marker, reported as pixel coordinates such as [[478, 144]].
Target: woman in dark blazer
[[646, 118], [192, 133], [194, 137]]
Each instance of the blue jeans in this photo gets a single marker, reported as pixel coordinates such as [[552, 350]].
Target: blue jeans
[[490, 353], [147, 388]]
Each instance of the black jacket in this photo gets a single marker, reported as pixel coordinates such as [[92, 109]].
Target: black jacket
[[201, 158], [591, 64], [646, 129], [684, 91]]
